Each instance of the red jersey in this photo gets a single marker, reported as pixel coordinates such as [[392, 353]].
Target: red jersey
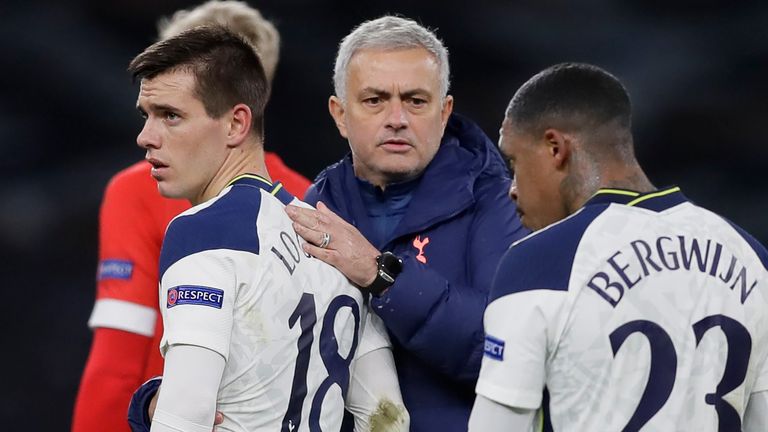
[[125, 350]]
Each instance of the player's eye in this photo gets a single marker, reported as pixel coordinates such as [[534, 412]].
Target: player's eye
[[171, 116], [372, 101], [418, 102]]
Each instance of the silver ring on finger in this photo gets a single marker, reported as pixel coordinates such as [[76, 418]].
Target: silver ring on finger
[[324, 242]]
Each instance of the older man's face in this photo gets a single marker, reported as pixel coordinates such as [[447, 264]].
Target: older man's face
[[394, 115]]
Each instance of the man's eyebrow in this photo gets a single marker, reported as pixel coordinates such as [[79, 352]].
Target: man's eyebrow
[[154, 107], [374, 90], [163, 107], [415, 92], [406, 94]]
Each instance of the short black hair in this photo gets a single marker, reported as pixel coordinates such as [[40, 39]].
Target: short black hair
[[575, 96], [227, 70]]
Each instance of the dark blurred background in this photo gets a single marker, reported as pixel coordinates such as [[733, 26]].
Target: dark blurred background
[[697, 72]]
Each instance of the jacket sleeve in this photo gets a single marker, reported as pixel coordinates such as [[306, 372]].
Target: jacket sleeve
[[439, 320], [312, 196]]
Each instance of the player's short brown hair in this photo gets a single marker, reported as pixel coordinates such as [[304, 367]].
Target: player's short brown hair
[[227, 70]]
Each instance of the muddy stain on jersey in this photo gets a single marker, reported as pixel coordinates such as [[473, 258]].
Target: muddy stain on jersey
[[387, 417]]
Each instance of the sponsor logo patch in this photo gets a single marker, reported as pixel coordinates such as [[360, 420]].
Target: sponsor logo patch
[[494, 348], [195, 295], [115, 269]]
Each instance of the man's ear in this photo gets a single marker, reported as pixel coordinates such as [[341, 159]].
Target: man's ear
[[559, 146], [240, 122], [447, 110], [336, 108]]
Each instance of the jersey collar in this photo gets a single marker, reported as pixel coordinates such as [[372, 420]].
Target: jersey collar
[[658, 200], [253, 180]]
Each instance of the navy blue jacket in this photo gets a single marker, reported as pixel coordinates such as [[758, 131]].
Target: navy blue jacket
[[434, 311]]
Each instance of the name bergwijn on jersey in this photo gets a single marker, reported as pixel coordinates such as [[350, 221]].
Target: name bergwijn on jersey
[[629, 265]]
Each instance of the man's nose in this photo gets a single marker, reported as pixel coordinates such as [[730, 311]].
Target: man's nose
[[398, 116], [148, 137]]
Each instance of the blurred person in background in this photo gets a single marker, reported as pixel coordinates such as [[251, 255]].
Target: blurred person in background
[[417, 214], [133, 219]]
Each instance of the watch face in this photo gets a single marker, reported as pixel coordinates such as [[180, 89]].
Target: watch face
[[391, 263]]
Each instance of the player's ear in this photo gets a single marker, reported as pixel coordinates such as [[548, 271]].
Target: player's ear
[[239, 125], [559, 146], [336, 108]]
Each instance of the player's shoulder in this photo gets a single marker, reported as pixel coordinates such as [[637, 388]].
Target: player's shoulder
[[757, 247], [227, 221], [544, 259]]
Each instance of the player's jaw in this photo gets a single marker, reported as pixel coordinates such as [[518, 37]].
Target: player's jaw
[[163, 174], [521, 216]]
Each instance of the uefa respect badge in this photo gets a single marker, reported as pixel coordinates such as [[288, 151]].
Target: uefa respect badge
[[195, 295], [493, 348]]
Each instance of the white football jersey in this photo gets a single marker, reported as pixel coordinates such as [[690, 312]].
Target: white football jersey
[[235, 280], [638, 312]]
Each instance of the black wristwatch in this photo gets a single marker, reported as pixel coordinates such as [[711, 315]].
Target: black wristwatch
[[389, 266]]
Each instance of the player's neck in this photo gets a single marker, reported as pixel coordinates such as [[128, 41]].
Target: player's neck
[[582, 186], [241, 160], [630, 177]]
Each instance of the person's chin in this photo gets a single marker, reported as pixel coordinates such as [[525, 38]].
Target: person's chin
[[528, 222], [168, 191], [401, 174]]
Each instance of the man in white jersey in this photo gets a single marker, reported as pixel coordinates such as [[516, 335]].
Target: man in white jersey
[[253, 327], [631, 308]]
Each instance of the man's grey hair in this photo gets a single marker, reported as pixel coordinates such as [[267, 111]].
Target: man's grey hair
[[389, 33]]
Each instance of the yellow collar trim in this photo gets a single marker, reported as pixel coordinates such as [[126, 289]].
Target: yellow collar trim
[[617, 192], [654, 195], [250, 176]]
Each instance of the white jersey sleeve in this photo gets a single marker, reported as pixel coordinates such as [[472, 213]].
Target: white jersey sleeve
[[374, 397], [374, 334], [187, 401], [515, 375], [199, 270], [489, 416], [199, 292]]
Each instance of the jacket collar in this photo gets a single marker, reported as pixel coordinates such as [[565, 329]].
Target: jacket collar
[[445, 189]]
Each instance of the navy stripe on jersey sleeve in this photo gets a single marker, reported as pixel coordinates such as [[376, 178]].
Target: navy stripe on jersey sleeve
[[543, 260], [228, 223]]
